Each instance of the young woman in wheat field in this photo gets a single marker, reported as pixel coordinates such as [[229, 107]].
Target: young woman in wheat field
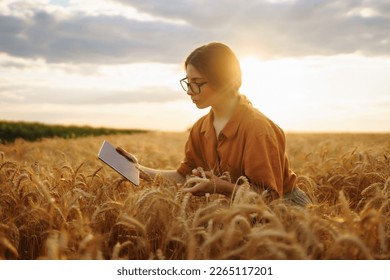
[[234, 138]]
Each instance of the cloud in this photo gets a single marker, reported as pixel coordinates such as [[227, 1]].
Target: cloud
[[103, 39], [60, 96], [271, 28], [286, 28]]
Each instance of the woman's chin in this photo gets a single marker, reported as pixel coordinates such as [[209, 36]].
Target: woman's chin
[[200, 106]]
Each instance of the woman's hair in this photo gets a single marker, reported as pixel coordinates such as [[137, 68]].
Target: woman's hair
[[218, 63]]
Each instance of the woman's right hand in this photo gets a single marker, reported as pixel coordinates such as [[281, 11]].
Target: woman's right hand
[[127, 155], [142, 170]]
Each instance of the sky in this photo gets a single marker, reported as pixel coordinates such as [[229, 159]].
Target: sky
[[309, 65]]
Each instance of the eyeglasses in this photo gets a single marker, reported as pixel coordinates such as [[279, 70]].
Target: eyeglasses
[[193, 86]]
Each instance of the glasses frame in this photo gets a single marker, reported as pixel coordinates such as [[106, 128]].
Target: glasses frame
[[186, 86]]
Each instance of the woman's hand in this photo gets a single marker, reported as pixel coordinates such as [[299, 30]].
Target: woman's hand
[[208, 183], [127, 155], [134, 160], [148, 174], [201, 188]]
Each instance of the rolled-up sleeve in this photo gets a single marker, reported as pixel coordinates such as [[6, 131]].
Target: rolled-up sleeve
[[188, 163], [264, 162], [192, 150]]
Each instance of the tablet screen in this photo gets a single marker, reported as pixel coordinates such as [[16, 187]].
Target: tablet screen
[[119, 163]]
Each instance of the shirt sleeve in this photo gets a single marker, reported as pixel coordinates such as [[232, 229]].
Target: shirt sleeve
[[264, 161], [188, 163]]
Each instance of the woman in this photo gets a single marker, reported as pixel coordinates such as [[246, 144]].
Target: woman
[[233, 137]]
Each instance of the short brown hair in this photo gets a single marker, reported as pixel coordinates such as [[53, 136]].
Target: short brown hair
[[218, 63]]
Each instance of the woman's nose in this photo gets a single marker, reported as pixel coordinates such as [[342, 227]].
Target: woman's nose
[[190, 92]]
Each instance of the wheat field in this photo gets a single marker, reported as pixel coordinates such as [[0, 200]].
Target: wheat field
[[58, 201]]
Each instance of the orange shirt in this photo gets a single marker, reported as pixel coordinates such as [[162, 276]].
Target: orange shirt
[[249, 145]]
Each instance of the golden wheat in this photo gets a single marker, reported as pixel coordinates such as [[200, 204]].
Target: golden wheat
[[57, 201]]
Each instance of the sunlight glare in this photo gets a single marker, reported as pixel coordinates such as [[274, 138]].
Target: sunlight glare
[[274, 87], [319, 93]]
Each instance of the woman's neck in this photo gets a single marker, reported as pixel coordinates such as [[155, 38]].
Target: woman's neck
[[223, 112], [224, 109]]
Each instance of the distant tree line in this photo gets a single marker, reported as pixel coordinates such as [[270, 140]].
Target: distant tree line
[[32, 131]]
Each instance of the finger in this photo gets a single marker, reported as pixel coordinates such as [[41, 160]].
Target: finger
[[196, 193], [126, 154], [208, 174], [132, 158], [196, 172], [197, 190], [122, 151]]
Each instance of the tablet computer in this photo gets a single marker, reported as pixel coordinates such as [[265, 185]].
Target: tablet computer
[[110, 156]]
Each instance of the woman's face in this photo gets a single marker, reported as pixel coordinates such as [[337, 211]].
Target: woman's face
[[207, 96]]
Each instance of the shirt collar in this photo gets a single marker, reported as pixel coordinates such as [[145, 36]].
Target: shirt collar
[[207, 126], [232, 125]]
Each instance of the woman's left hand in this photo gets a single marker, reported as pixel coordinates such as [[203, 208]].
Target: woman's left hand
[[201, 188], [208, 184], [202, 183]]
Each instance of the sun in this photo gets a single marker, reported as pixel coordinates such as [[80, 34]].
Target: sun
[[251, 67], [274, 86], [259, 80]]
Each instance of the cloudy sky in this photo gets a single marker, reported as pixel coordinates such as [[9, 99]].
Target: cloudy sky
[[310, 65]]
